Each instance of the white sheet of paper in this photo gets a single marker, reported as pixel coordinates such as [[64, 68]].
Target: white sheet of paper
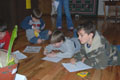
[[32, 49], [20, 77], [55, 59], [56, 3], [76, 67], [19, 55]]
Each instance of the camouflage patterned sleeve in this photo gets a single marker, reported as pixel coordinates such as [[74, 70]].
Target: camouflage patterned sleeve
[[79, 55], [97, 58]]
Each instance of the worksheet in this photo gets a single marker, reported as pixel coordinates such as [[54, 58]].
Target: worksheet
[[76, 67], [32, 49], [19, 55], [20, 77], [55, 59]]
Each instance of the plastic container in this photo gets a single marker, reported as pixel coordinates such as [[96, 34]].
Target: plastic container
[[7, 72]]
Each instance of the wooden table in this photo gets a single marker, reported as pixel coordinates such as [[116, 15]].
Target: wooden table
[[111, 3]]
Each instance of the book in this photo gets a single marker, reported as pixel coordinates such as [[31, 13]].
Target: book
[[32, 49], [19, 55], [76, 67], [20, 77], [54, 59]]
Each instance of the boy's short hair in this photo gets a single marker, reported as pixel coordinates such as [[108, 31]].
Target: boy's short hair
[[88, 27], [57, 36], [36, 13], [3, 26]]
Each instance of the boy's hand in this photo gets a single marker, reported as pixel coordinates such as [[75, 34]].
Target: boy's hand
[[83, 59], [73, 61], [45, 52], [51, 55], [34, 28], [56, 51], [37, 30]]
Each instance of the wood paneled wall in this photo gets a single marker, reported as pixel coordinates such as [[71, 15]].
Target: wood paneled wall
[[5, 12], [14, 11], [45, 6]]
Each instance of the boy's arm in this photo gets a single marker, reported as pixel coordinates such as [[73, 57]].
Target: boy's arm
[[69, 50], [97, 59], [80, 55], [42, 25], [26, 23], [48, 49], [67, 54]]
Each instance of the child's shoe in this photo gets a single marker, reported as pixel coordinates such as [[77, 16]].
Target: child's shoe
[[59, 28], [71, 29]]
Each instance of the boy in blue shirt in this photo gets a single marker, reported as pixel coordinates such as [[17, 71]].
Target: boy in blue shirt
[[34, 26]]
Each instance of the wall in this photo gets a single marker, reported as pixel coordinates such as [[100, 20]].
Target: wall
[[14, 11], [45, 6], [5, 11], [109, 10]]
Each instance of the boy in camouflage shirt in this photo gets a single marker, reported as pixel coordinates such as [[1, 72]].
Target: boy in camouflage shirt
[[95, 50]]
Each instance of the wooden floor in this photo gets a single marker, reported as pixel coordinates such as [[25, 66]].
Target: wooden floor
[[36, 69]]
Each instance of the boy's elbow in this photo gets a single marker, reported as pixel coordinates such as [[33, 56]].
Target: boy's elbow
[[69, 55]]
